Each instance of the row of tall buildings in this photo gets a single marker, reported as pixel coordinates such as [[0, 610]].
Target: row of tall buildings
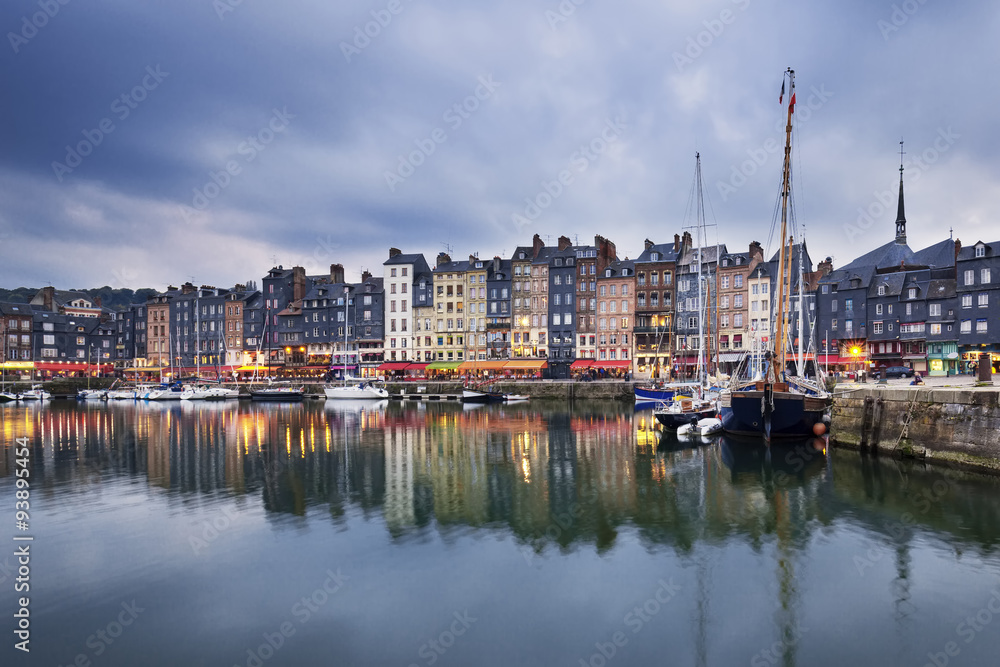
[[550, 310]]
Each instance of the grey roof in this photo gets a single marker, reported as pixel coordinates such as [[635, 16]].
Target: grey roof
[[708, 254], [886, 256], [941, 289], [412, 258], [938, 255], [619, 264], [666, 250], [893, 283], [969, 252], [454, 267], [7, 308]]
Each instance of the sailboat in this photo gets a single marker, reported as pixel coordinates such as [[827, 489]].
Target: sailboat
[[361, 390], [687, 411], [776, 403]]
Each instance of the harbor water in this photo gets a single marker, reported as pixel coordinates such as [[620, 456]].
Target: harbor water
[[344, 533]]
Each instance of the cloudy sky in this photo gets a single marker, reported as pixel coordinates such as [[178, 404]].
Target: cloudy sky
[[147, 143]]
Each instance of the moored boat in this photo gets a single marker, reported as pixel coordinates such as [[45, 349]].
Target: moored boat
[[278, 392], [359, 391]]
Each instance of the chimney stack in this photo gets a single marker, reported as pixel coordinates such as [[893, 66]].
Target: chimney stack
[[756, 250], [564, 242], [336, 273], [366, 275], [686, 241], [187, 288], [677, 242], [442, 259], [825, 267], [394, 251], [298, 283], [48, 298], [536, 245]]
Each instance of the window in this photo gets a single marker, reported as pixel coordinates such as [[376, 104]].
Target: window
[[881, 290], [833, 305], [738, 281], [909, 309], [725, 282], [980, 251], [984, 276], [877, 327], [966, 301], [738, 301], [934, 310], [849, 327], [725, 301], [970, 277], [738, 320], [912, 293], [981, 326], [692, 322], [848, 304], [392, 272], [833, 324], [984, 299], [935, 329], [966, 326], [878, 308], [48, 340]]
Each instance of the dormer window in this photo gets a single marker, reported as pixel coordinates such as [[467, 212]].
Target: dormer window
[[654, 256], [725, 262], [607, 273], [912, 293], [520, 255], [881, 290], [980, 250]]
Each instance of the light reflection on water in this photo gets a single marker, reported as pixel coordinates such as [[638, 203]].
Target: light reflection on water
[[549, 524]]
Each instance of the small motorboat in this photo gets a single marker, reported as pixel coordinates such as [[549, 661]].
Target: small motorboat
[[516, 398], [700, 427], [683, 410], [278, 392], [36, 393], [359, 391]]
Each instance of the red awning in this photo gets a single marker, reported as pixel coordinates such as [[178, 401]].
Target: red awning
[[417, 367], [737, 338], [582, 363], [70, 366], [394, 366], [613, 363], [832, 359]]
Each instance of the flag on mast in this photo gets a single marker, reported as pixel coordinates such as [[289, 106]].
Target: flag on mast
[[781, 97], [791, 103]]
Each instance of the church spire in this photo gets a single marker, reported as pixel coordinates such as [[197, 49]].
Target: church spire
[[900, 216]]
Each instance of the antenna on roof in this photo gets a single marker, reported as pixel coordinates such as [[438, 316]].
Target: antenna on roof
[[448, 248], [274, 260]]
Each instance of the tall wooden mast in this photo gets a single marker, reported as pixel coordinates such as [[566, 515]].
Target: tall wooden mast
[[785, 191]]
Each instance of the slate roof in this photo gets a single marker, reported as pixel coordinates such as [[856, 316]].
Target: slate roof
[[666, 250], [969, 252], [7, 308], [941, 289]]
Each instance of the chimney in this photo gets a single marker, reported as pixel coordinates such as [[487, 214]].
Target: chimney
[[239, 288], [496, 263], [336, 273], [366, 275], [97, 301], [686, 241], [171, 288], [187, 288], [473, 259], [756, 250], [825, 267], [564, 242], [48, 298], [647, 244], [298, 283], [394, 251], [958, 249], [536, 245], [442, 259]]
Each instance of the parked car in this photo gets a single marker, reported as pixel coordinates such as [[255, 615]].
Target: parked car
[[895, 372]]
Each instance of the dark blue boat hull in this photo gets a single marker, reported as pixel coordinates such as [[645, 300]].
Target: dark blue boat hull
[[794, 415], [646, 394]]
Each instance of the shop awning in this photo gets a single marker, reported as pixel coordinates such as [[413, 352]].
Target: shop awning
[[481, 365], [581, 363], [18, 365], [526, 364], [444, 365], [832, 359], [394, 366], [730, 357], [612, 363], [70, 366], [417, 367]]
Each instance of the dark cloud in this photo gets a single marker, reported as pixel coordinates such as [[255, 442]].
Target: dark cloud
[[673, 78]]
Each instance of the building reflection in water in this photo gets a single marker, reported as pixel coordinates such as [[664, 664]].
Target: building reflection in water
[[551, 478]]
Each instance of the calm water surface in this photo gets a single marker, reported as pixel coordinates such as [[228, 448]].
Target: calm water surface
[[254, 535]]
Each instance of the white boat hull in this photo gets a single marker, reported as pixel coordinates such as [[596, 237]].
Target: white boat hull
[[355, 393]]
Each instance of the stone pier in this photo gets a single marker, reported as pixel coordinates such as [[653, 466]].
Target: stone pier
[[950, 426]]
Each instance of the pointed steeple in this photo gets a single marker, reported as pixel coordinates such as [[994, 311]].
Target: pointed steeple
[[900, 216]]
